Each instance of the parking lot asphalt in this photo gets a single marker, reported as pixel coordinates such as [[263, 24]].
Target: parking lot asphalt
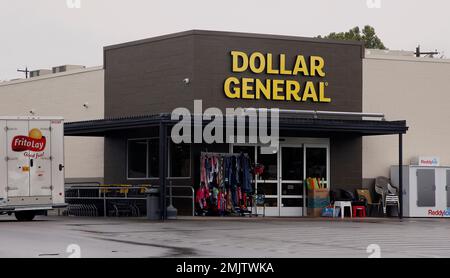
[[55, 236]]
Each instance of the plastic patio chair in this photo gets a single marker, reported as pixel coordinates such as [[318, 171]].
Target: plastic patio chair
[[388, 192], [365, 194]]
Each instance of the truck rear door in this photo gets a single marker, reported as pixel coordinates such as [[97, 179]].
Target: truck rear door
[[57, 148], [18, 162]]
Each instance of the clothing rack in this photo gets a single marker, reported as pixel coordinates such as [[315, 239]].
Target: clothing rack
[[222, 154], [225, 184]]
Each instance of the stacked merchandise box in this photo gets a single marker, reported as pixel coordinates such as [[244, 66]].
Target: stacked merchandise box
[[318, 197]]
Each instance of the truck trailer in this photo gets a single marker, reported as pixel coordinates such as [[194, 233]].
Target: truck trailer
[[31, 166]]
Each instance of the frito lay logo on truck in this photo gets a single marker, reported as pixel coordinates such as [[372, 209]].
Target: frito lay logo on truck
[[34, 142]]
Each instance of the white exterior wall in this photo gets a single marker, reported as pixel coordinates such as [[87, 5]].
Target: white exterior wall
[[412, 89], [63, 94]]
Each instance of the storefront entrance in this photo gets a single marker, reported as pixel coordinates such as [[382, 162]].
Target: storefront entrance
[[285, 172]]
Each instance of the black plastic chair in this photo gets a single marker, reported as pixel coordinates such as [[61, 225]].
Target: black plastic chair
[[343, 195], [340, 195]]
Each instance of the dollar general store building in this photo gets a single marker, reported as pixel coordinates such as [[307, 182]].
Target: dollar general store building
[[333, 94]]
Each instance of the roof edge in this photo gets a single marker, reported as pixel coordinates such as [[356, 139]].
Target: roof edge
[[51, 75], [233, 34]]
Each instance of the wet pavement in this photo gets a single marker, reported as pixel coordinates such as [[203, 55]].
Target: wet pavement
[[224, 237]]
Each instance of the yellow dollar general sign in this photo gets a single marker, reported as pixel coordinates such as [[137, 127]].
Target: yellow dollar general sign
[[276, 89]]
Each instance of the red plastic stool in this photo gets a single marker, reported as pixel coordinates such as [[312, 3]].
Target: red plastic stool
[[360, 209]]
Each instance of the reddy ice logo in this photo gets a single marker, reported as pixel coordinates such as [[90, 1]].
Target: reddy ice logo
[[34, 142], [439, 212], [429, 162]]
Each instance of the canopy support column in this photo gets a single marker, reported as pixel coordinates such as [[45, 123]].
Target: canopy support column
[[163, 160], [400, 174]]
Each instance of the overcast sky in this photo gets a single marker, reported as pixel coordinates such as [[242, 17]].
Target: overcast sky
[[46, 33]]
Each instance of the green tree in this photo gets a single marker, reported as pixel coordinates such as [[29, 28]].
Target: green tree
[[367, 35]]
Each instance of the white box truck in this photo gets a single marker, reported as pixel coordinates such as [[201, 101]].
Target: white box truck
[[31, 165]]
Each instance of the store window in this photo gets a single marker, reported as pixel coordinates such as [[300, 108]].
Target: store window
[[153, 158], [143, 158], [180, 160], [137, 156]]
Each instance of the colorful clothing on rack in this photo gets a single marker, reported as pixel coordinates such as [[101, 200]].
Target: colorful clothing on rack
[[225, 182]]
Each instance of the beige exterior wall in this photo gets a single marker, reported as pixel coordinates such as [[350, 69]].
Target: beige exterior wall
[[412, 89], [63, 94]]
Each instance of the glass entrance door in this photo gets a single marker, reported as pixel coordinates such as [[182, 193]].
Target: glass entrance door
[[316, 162], [282, 181], [267, 182], [291, 181]]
